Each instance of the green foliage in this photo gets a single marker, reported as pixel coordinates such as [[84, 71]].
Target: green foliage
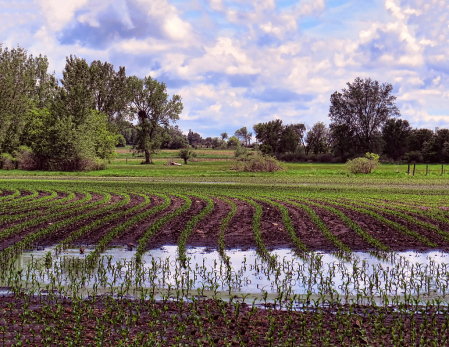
[[363, 165], [233, 142], [121, 141], [24, 85], [259, 163], [6, 161], [154, 112], [240, 151], [60, 143], [186, 154]]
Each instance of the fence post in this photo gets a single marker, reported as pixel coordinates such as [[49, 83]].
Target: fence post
[[427, 169], [408, 170], [126, 160], [442, 169], [414, 167]]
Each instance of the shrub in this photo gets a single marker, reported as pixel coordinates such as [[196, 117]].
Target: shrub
[[25, 158], [240, 151], [259, 163], [363, 165], [94, 164], [186, 154], [6, 161]]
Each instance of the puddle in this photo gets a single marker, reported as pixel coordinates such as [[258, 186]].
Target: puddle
[[407, 273]]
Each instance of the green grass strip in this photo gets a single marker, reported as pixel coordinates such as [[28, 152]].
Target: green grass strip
[[113, 233], [322, 227], [157, 225], [191, 224], [387, 222]]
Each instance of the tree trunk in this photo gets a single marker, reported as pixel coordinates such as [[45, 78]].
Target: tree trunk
[[185, 161], [147, 157]]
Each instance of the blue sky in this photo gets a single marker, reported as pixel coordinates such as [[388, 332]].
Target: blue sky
[[239, 62]]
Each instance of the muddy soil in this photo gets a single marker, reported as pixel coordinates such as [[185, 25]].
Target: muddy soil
[[169, 234], [133, 235], [391, 238], [272, 229], [307, 232], [55, 237], [206, 233], [208, 323], [239, 233]]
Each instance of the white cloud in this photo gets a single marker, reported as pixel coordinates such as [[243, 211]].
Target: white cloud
[[59, 13]]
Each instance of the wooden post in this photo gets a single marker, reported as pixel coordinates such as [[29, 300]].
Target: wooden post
[[427, 169], [126, 160], [408, 170], [442, 169], [414, 168]]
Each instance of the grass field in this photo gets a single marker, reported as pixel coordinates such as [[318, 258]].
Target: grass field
[[200, 255]]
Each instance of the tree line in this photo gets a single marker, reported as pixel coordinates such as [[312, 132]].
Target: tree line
[[75, 123]]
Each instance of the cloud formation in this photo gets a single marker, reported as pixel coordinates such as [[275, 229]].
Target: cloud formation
[[240, 62]]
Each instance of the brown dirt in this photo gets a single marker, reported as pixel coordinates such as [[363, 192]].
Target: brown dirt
[[307, 232], [134, 234], [212, 323], [170, 233], [272, 228], [55, 237], [239, 233], [206, 232], [391, 238]]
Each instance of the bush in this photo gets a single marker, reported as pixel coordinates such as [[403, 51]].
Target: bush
[[25, 158], [363, 165], [7, 161], [94, 164], [293, 157], [259, 163], [186, 154], [240, 151]]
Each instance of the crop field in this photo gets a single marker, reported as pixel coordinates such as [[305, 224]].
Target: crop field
[[243, 261]]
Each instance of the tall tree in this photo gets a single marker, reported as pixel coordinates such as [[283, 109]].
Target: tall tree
[[224, 136], [25, 85], [396, 135], [154, 111], [342, 139], [365, 106], [110, 90], [317, 139], [194, 138], [244, 136], [292, 137], [269, 133], [76, 98]]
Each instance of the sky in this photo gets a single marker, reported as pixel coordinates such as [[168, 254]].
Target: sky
[[240, 62]]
